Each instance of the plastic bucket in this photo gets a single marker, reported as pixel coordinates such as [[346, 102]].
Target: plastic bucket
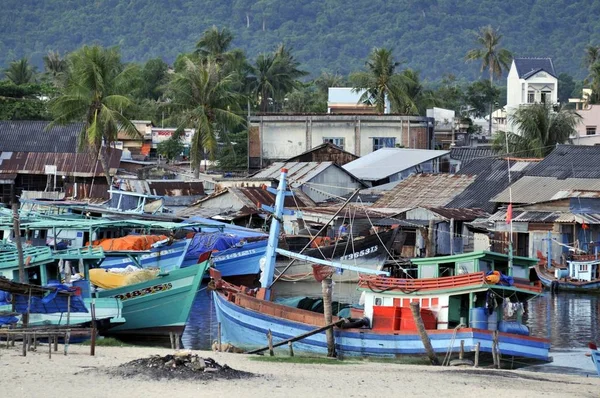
[[478, 318], [492, 323]]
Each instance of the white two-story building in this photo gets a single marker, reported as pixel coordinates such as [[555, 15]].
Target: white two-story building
[[530, 80]]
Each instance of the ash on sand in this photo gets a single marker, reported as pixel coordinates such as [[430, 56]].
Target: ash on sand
[[182, 365]]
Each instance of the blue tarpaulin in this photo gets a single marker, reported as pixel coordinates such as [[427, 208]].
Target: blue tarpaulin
[[205, 242], [49, 304]]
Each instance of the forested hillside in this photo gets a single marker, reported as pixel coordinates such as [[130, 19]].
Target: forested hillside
[[431, 36]]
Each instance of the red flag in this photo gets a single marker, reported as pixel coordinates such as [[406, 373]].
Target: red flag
[[584, 225], [509, 213]]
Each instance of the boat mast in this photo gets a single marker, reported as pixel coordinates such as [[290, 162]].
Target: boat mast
[[510, 239], [267, 274]]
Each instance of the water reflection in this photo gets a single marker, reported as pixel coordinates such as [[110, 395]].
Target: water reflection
[[569, 320]]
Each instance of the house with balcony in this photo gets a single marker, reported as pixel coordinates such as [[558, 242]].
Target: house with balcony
[[530, 81]]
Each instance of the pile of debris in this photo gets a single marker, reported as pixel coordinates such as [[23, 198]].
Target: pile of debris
[[181, 365]]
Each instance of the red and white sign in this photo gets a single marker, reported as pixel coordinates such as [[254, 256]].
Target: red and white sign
[[163, 134]]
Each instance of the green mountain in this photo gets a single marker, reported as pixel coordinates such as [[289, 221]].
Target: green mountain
[[431, 36]]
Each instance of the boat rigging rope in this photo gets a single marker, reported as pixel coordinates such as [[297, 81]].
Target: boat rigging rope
[[446, 361]]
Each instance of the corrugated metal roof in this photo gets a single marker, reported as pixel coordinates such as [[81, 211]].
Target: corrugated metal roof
[[425, 190], [492, 178], [31, 136], [385, 162], [531, 189], [459, 214], [70, 164], [175, 188], [466, 154], [358, 212], [536, 216], [256, 197], [569, 161], [298, 172]]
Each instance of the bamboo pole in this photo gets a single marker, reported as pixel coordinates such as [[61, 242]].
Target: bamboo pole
[[327, 312], [299, 337], [416, 311], [93, 339]]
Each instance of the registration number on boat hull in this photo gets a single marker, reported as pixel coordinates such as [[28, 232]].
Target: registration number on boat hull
[[361, 253], [145, 291]]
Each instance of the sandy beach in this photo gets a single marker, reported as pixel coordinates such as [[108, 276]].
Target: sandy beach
[[80, 375]]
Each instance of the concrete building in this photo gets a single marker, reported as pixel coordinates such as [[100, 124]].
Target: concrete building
[[530, 81], [277, 138]]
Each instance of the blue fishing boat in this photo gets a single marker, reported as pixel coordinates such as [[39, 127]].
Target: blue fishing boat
[[582, 274], [464, 306]]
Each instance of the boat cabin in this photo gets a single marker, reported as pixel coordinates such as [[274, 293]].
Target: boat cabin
[[451, 290], [585, 271]]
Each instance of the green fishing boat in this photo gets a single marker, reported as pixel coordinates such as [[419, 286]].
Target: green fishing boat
[[158, 306]]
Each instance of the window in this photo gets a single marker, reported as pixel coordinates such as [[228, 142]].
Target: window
[[530, 97], [583, 267], [590, 130], [383, 142], [546, 97], [337, 141]]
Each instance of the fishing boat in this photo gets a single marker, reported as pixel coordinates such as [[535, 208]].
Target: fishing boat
[[367, 252], [463, 306], [42, 269], [581, 273], [158, 305]]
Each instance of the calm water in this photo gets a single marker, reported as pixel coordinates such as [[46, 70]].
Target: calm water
[[569, 320]]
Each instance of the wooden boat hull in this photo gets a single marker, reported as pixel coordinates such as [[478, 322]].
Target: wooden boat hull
[[158, 306], [547, 279], [246, 328], [369, 252]]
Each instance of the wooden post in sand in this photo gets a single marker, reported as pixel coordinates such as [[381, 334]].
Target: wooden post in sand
[[477, 348], [270, 342], [327, 295], [291, 348], [461, 354], [93, 339], [416, 311], [219, 337]]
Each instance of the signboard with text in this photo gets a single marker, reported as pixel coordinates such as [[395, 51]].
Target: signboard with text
[[162, 134]]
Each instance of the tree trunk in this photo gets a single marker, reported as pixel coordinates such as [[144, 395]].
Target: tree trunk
[[17, 232], [327, 292], [105, 167]]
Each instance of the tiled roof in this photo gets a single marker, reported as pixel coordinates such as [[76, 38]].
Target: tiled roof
[[492, 178], [525, 66], [31, 136], [426, 190], [466, 154], [532, 189], [385, 162], [569, 161]]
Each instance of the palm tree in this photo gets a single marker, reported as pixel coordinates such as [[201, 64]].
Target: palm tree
[[215, 44], [381, 82], [95, 90], [541, 128], [202, 97], [20, 72], [592, 55], [54, 64], [273, 76], [493, 58]]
